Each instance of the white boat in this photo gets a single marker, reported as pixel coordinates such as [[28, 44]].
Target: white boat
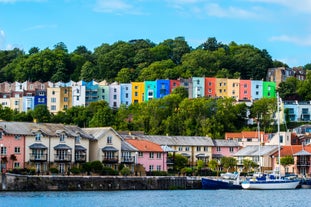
[[275, 181]]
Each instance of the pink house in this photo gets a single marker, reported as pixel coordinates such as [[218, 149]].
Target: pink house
[[150, 155], [174, 84], [12, 147], [245, 92], [224, 148]]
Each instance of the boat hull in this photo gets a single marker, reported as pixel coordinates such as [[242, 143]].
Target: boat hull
[[213, 184], [270, 185]]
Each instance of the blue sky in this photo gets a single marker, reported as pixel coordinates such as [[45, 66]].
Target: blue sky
[[282, 27]]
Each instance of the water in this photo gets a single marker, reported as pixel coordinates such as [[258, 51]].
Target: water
[[159, 198]]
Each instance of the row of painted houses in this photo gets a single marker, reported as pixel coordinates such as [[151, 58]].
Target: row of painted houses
[[60, 96], [42, 146]]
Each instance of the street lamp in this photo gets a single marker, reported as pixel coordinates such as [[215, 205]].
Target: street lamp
[[1, 145]]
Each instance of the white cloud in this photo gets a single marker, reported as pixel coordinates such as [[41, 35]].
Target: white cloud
[[117, 7], [299, 5], [302, 41]]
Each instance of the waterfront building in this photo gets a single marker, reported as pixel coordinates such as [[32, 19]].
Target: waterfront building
[[114, 95], [163, 88], [269, 90], [224, 148], [59, 98], [126, 93], [150, 91], [78, 94], [210, 87], [221, 87], [91, 91], [302, 157], [233, 89], [245, 92], [150, 155], [103, 91], [138, 92], [298, 110], [256, 89], [198, 87], [246, 138], [174, 84]]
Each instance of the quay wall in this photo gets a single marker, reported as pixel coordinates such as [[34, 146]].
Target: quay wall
[[13, 182]]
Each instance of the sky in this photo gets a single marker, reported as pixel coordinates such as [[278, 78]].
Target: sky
[[282, 27]]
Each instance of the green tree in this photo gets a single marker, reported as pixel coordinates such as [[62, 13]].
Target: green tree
[[228, 162], [41, 113], [288, 89], [179, 161], [263, 110], [249, 164], [287, 160]]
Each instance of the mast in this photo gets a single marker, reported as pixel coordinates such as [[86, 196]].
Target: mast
[[278, 135], [259, 139]]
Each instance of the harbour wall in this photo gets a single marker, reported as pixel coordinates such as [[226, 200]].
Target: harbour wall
[[13, 182]]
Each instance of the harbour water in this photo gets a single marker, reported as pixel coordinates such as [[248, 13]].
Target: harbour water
[[158, 198]]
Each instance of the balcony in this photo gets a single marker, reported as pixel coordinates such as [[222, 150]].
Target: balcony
[[113, 159], [303, 163], [128, 159], [80, 158], [62, 157], [38, 157]]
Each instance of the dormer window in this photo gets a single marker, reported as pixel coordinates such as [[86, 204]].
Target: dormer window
[[62, 138], [38, 137], [17, 137], [77, 139]]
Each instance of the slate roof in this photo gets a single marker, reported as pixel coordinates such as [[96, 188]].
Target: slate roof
[[47, 129], [179, 140], [99, 132], [127, 147], [226, 143], [254, 151]]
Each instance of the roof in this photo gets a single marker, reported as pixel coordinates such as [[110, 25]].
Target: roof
[[225, 143], [99, 132], [145, 145], [37, 146], [179, 140], [47, 129], [80, 148], [296, 150], [256, 151], [168, 149], [127, 147], [109, 148], [243, 134], [62, 147]]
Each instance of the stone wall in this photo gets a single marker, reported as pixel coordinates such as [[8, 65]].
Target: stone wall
[[12, 182]]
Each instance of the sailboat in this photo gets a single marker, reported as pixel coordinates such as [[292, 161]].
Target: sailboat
[[272, 181]]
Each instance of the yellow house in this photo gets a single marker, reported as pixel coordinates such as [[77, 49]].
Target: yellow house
[[59, 99], [221, 87], [233, 88], [16, 103], [138, 92]]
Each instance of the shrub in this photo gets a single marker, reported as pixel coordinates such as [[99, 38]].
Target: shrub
[[109, 171], [97, 166], [125, 171], [75, 170], [53, 170]]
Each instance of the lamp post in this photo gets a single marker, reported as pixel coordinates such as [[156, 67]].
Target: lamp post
[[1, 145]]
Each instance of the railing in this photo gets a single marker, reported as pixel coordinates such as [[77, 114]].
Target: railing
[[80, 158], [37, 157], [128, 159], [62, 158], [110, 159], [303, 163]]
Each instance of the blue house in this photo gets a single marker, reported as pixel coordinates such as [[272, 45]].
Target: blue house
[[163, 88], [40, 97], [126, 93], [150, 90]]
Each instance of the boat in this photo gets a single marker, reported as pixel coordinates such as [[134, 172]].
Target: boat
[[226, 181], [305, 183], [271, 181]]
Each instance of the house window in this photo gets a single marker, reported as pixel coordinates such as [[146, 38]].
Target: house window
[[17, 150], [140, 154], [38, 137], [65, 99], [257, 86], [209, 83], [218, 149], [53, 92], [114, 90], [77, 139], [126, 95], [281, 138], [53, 107], [151, 155], [158, 155], [180, 148], [158, 167], [16, 165], [245, 85], [3, 151], [205, 149], [77, 98], [114, 97], [136, 87], [198, 149], [65, 91], [231, 149], [62, 137], [53, 100], [150, 168], [249, 139], [187, 148], [136, 94], [109, 140]]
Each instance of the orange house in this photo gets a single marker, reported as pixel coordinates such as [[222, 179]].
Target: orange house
[[210, 87], [174, 84]]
